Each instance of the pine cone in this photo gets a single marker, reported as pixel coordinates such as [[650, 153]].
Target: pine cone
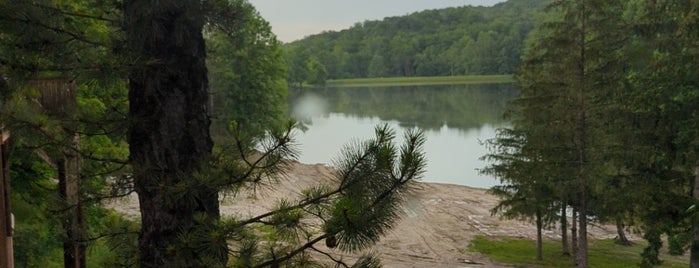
[[331, 241]]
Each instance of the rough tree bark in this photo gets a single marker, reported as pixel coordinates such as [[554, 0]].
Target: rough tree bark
[[169, 137], [564, 231]]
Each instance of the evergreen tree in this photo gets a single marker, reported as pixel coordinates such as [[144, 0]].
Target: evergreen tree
[[178, 179], [567, 69], [524, 192], [664, 80]]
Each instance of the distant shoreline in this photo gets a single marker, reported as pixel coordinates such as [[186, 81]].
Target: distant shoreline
[[420, 81]]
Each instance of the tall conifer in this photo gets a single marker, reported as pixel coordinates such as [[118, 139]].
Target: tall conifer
[[568, 68]]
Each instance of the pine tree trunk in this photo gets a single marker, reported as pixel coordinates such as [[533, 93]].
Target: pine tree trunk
[[582, 236], [564, 231], [582, 139], [169, 139], [694, 252], [539, 245], [623, 240]]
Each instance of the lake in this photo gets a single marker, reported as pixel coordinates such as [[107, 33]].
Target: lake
[[454, 118]]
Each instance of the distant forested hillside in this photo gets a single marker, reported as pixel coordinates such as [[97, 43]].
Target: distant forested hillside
[[453, 41]]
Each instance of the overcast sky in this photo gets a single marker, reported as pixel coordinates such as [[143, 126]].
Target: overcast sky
[[294, 19]]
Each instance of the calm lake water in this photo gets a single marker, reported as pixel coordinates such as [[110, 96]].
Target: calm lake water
[[455, 118]]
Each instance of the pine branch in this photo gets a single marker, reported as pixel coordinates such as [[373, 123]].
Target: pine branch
[[95, 238], [93, 199], [287, 209], [385, 198], [301, 205], [338, 262], [294, 252], [254, 165], [87, 16], [52, 140], [56, 30]]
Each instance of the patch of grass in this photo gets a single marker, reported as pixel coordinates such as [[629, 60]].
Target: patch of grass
[[420, 81], [602, 253]]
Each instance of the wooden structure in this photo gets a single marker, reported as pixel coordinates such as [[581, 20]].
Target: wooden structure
[[58, 95], [7, 221], [58, 98]]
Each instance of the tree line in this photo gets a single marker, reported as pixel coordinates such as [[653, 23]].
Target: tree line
[[605, 126], [179, 102], [443, 42]]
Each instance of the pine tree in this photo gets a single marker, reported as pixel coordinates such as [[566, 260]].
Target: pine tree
[[178, 179], [665, 83], [567, 69], [524, 192]]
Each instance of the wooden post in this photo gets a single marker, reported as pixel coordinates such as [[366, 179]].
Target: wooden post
[[69, 187], [6, 224], [58, 97]]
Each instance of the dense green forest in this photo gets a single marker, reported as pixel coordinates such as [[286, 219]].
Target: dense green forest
[[453, 41]]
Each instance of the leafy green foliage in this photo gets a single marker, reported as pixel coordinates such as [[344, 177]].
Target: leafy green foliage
[[66, 38], [37, 237], [117, 243], [246, 71], [72, 44], [38, 232], [664, 94]]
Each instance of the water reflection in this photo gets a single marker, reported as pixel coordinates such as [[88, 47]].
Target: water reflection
[[454, 119]]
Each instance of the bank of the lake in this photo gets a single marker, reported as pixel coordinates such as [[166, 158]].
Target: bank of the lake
[[420, 81]]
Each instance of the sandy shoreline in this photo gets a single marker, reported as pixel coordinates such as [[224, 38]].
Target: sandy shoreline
[[440, 220]]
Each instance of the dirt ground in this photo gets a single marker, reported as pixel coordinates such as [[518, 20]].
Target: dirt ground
[[439, 221]]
